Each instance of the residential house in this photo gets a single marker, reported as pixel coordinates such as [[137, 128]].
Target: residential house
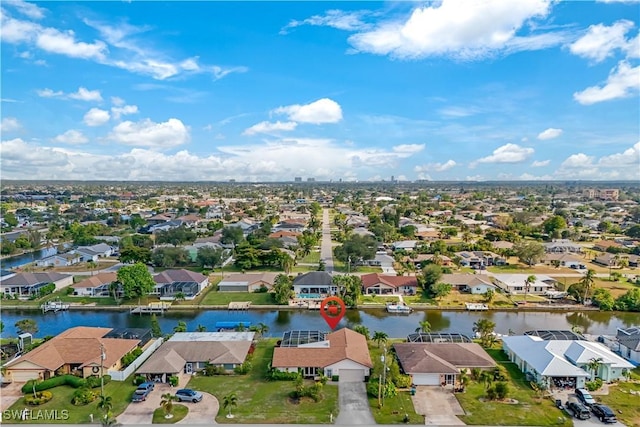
[[60, 260], [477, 284], [343, 353], [629, 343], [195, 247], [75, 351], [171, 283], [247, 282], [95, 286], [606, 259], [159, 219], [564, 259], [164, 226], [314, 285], [440, 363], [247, 226], [404, 245], [562, 246], [292, 225], [515, 283], [479, 259], [561, 363], [380, 284], [502, 245], [603, 245], [25, 285], [94, 252], [191, 352], [289, 239], [190, 220], [418, 259]]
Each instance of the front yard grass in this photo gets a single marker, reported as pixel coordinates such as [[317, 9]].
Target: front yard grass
[[179, 412], [120, 392], [616, 288], [624, 404], [266, 402], [530, 410], [312, 258], [224, 298]]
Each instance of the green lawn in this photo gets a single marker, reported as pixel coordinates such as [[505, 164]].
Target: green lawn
[[529, 410], [224, 298], [624, 404], [266, 402], [342, 268], [312, 258], [120, 392], [179, 412]]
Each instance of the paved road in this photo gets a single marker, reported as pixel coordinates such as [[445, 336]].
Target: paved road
[[326, 250], [354, 405]]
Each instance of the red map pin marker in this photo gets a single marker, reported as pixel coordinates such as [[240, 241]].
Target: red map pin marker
[[332, 310]]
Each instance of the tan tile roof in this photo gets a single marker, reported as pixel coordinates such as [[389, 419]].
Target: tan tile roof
[[373, 279], [441, 357], [344, 344], [79, 345], [97, 280], [280, 234]]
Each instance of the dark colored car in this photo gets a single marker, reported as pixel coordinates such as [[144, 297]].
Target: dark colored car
[[578, 409], [585, 397], [186, 394], [603, 413]]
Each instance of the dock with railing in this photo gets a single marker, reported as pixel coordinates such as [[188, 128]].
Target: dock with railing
[[54, 306], [151, 308], [239, 305], [471, 306]]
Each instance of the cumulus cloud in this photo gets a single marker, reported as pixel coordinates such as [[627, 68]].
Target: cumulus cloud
[[123, 111], [30, 10], [435, 167], [550, 133], [82, 94], [10, 124], [20, 159], [601, 41], [540, 163], [629, 157], [508, 153], [324, 110], [579, 160], [96, 117], [622, 82], [270, 127], [147, 133], [463, 29], [408, 148], [71, 136]]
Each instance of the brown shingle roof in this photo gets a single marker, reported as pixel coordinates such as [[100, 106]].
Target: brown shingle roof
[[97, 280], [26, 279], [343, 344], [170, 276], [441, 358], [372, 279]]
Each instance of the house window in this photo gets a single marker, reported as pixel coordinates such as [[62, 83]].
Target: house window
[[329, 373]]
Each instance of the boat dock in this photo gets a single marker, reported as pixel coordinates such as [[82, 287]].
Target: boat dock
[[151, 308], [472, 306], [239, 305], [54, 306]]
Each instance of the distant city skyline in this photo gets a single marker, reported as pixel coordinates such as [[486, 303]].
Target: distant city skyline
[[453, 90]]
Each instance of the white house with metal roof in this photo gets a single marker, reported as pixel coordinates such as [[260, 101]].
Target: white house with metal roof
[[515, 283]]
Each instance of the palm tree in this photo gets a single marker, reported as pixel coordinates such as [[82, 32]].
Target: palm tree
[[587, 281], [594, 365], [380, 337], [527, 284], [229, 401], [105, 404], [287, 263], [92, 265], [260, 328], [487, 378], [167, 404], [361, 329], [180, 296], [201, 328], [484, 329], [424, 327], [109, 421]]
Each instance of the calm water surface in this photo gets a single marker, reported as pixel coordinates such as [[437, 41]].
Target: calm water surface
[[591, 322]]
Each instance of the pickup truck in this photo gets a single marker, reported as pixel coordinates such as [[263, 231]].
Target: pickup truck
[[142, 392]]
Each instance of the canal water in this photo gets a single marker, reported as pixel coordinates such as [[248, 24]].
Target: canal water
[[23, 259], [397, 326]]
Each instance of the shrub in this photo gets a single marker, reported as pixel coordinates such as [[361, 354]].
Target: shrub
[[402, 381], [130, 357], [211, 370], [70, 380], [502, 389], [594, 385], [243, 369], [83, 396], [335, 378], [42, 397], [500, 373], [93, 382], [372, 388], [173, 380], [276, 375], [139, 379], [261, 290]]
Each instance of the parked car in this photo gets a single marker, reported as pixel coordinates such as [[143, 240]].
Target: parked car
[[142, 392], [585, 397], [603, 413], [186, 394], [578, 410]]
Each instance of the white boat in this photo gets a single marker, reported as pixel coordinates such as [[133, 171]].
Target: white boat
[[393, 307]]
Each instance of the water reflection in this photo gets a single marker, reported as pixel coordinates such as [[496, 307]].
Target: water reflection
[[439, 320]]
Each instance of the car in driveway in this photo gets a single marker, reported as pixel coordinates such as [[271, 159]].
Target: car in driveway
[[585, 397], [603, 413], [575, 407], [142, 392], [188, 395]]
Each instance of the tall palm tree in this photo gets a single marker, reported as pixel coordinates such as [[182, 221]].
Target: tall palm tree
[[424, 327], [228, 402], [587, 282], [105, 404], [530, 280], [92, 265], [594, 365], [167, 404], [380, 337]]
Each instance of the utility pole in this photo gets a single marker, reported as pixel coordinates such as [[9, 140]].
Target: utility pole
[[102, 357], [384, 372]]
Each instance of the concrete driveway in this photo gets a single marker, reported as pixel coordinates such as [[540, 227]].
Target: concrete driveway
[[9, 394], [438, 406], [354, 405], [203, 412], [142, 412]]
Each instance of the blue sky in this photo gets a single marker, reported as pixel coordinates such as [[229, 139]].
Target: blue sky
[[266, 91]]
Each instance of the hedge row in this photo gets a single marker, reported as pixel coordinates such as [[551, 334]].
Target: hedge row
[[70, 380]]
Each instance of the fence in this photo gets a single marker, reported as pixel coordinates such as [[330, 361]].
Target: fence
[[125, 373]]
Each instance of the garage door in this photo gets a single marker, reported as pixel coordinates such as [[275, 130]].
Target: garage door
[[426, 379], [351, 375], [23, 376]]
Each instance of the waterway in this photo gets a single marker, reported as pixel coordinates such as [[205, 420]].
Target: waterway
[[278, 321], [26, 258]]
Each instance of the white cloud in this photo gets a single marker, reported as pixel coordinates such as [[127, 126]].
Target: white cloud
[[463, 29], [436, 167], [408, 148], [508, 153], [540, 163], [348, 21], [96, 117], [630, 157], [10, 124], [618, 1], [28, 9], [82, 94], [147, 133], [20, 159], [54, 41], [117, 101], [622, 82], [601, 41], [324, 110], [270, 127], [71, 136], [579, 160], [48, 93], [123, 111], [550, 133]]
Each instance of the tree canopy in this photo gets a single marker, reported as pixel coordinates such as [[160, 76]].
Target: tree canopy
[[529, 253], [136, 280], [356, 248]]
